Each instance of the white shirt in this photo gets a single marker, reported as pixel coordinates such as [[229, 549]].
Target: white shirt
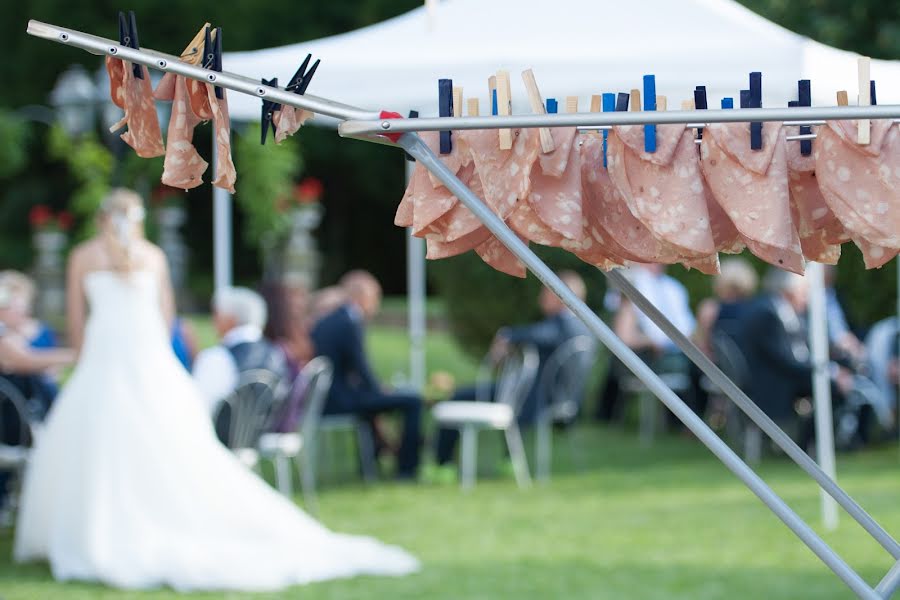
[[670, 297], [215, 372]]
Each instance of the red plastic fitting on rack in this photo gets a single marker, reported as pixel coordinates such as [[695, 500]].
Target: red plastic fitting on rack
[[394, 137]]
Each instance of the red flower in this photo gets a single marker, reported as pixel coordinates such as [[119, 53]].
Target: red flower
[[39, 216], [308, 191], [64, 220], [164, 193]]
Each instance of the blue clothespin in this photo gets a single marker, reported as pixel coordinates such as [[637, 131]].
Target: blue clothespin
[[609, 105], [727, 103], [700, 103], [552, 106], [649, 105], [805, 99], [128, 37], [756, 102], [622, 100], [445, 107], [494, 110]]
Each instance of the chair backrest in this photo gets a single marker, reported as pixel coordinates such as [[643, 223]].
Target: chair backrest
[[730, 359], [562, 383], [15, 425], [317, 374], [516, 371], [253, 406]]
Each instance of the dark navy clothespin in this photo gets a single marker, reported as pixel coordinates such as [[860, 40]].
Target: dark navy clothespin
[[756, 102], [212, 55], [727, 103], [649, 105], [445, 109], [745, 98], [700, 103], [872, 92], [128, 37], [805, 99], [269, 108], [609, 105], [300, 81], [413, 114], [622, 99]]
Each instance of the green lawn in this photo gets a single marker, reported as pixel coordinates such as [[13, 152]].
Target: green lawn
[[658, 523]]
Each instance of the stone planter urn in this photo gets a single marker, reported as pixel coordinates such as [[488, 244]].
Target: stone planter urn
[[50, 274], [301, 257]]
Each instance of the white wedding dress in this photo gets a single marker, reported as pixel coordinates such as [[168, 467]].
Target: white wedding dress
[[129, 486]]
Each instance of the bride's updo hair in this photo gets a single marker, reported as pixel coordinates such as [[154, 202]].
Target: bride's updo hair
[[121, 220]]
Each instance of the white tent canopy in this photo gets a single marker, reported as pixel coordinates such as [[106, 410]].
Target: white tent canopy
[[576, 47]]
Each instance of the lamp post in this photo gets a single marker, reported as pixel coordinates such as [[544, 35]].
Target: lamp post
[[75, 97]]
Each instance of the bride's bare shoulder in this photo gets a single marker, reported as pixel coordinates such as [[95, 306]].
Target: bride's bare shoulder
[[85, 254]]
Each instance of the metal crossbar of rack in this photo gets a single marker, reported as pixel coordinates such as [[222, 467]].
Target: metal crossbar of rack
[[372, 126]]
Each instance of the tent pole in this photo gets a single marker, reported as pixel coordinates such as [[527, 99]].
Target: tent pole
[[420, 151], [221, 228], [415, 285], [818, 345]]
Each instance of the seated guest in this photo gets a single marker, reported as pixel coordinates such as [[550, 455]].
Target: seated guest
[[239, 315], [558, 326], [773, 338], [881, 354], [843, 342], [184, 342], [21, 288], [340, 336], [734, 287]]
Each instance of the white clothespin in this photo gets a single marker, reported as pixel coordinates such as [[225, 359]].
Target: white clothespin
[[864, 129]]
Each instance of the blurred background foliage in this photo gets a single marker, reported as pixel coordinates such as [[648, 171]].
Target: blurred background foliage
[[362, 182]]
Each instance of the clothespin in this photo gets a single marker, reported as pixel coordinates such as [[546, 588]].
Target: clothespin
[[635, 101], [700, 103], [727, 103], [492, 94], [756, 102], [504, 107], [596, 103], [212, 54], [552, 106], [537, 107], [609, 105], [745, 98], [571, 104], [413, 114], [457, 101], [472, 105], [864, 128], [445, 108], [872, 93], [842, 98], [649, 105], [128, 37], [661, 103], [268, 112], [622, 101], [804, 96], [301, 79]]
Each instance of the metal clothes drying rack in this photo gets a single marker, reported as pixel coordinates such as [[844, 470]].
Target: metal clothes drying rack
[[373, 126]]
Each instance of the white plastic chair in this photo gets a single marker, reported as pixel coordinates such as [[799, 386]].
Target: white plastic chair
[[15, 450], [252, 408], [314, 381], [515, 375], [561, 387]]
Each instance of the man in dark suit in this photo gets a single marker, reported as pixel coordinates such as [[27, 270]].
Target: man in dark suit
[[773, 337], [340, 336], [558, 326]]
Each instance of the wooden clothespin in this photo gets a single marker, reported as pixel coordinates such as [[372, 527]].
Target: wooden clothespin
[[661, 103], [804, 95], [571, 104], [457, 101], [756, 102], [864, 128], [537, 107], [687, 104], [445, 109], [635, 101], [504, 107], [193, 52], [473, 107], [649, 105], [843, 99], [609, 105], [596, 103], [700, 103]]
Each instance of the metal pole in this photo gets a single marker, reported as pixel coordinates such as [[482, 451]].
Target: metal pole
[[695, 117], [890, 582], [420, 151], [753, 411], [415, 284], [818, 345], [221, 229]]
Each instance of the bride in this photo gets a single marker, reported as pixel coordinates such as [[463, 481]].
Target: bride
[[127, 483]]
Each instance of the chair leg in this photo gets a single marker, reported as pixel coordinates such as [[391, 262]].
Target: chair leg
[[468, 456], [306, 467], [543, 448], [517, 454], [283, 475], [366, 446]]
